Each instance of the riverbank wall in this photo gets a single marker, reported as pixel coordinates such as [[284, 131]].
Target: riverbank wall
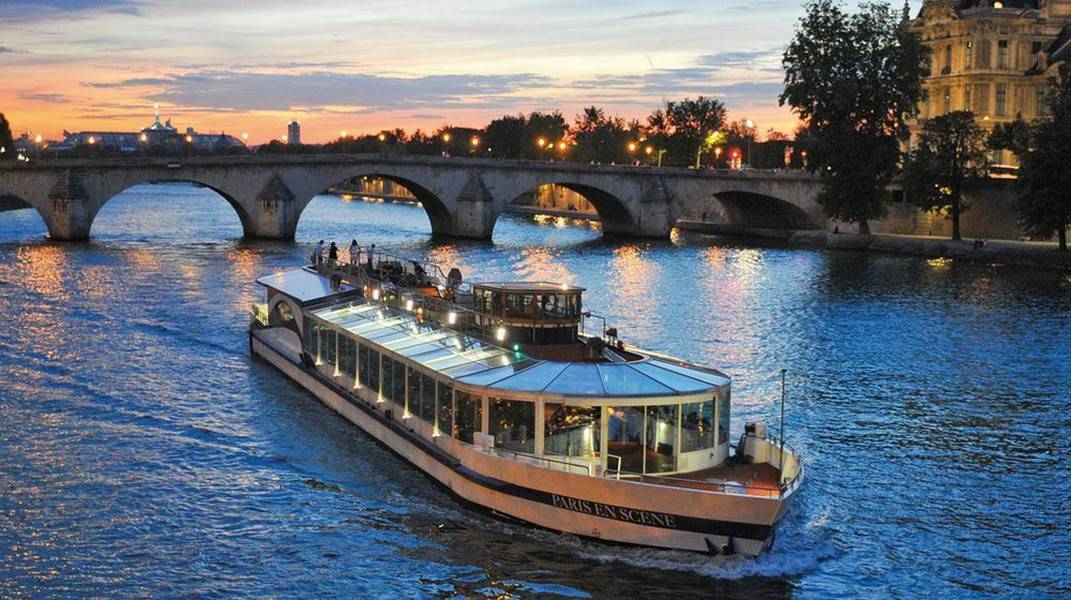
[[1031, 254]]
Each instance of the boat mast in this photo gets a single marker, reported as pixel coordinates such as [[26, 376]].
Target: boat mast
[[781, 461]]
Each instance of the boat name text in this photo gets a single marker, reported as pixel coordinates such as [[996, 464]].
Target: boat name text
[[620, 513]]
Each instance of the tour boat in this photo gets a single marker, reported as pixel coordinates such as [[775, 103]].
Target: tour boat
[[502, 394]]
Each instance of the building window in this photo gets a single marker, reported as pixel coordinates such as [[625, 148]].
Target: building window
[[413, 406], [969, 58], [948, 61], [1002, 99], [661, 438], [948, 100], [1002, 54], [723, 418], [968, 98], [1039, 98], [1035, 48], [626, 437]]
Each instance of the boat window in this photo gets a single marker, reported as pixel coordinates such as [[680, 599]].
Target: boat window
[[697, 426], [362, 365], [626, 437], [371, 369], [622, 380], [413, 398], [330, 340], [661, 438], [427, 399], [723, 417], [532, 379], [444, 421], [578, 379], [388, 380], [468, 416], [679, 383], [312, 336], [513, 425], [571, 430], [348, 360], [399, 381]]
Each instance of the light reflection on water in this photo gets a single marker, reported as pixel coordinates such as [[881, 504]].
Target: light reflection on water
[[144, 453]]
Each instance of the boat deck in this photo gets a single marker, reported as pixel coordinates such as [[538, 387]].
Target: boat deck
[[755, 480]]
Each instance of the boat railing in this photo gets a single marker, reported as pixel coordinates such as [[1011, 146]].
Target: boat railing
[[564, 463]]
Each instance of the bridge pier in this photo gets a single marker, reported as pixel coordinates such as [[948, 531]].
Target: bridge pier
[[474, 216], [68, 213], [274, 215]]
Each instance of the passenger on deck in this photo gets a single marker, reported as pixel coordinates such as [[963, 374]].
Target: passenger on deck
[[355, 253], [318, 254], [332, 255]]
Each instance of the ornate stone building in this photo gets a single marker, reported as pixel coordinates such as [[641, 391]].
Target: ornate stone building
[[991, 57]]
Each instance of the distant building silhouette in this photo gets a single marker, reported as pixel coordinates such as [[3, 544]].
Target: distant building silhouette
[[156, 135], [293, 133]]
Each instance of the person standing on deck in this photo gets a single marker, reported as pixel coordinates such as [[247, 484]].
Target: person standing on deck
[[371, 253], [355, 253], [318, 254], [332, 255]]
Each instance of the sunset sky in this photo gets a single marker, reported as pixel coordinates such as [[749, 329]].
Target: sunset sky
[[220, 65]]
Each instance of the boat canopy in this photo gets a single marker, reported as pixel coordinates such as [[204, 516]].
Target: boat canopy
[[473, 362], [305, 286]]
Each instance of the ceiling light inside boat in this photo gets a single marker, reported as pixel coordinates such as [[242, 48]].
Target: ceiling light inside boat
[[375, 294], [500, 335], [408, 305], [451, 318]]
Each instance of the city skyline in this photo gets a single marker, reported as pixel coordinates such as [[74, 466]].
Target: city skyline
[[102, 64]]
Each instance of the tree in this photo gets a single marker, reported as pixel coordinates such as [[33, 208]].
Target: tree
[[1044, 177], [855, 79], [1014, 136], [548, 127], [696, 121], [6, 141], [950, 157], [504, 136], [600, 138]]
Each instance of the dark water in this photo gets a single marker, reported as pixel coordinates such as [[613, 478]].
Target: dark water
[[143, 453]]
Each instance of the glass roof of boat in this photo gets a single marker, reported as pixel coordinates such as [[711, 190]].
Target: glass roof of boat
[[475, 362]]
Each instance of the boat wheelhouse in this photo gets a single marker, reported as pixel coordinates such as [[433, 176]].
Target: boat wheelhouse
[[496, 392]]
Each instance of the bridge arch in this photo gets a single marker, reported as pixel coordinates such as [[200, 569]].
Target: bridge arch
[[439, 214], [612, 211], [244, 217], [745, 212]]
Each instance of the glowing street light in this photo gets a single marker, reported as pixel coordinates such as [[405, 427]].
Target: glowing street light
[[561, 146], [446, 137], [144, 138], [632, 147], [92, 140], [189, 138], [245, 137], [382, 137], [342, 133], [475, 141], [38, 139], [541, 142]]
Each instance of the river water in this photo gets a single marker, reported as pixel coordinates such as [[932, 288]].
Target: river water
[[144, 453]]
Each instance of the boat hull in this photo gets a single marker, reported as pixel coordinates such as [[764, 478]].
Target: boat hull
[[599, 508]]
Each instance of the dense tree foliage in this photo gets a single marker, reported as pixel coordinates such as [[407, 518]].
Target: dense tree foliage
[[696, 123], [855, 78], [6, 141], [950, 157], [1044, 176]]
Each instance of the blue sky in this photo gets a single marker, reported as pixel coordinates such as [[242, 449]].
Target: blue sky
[[362, 66]]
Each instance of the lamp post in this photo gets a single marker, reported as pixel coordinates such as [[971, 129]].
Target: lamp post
[[632, 152], [751, 131], [446, 145]]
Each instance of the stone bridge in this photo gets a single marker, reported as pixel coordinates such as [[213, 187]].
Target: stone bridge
[[463, 197]]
